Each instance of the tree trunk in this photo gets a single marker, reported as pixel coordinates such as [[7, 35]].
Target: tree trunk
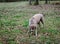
[[49, 1], [30, 2], [46, 1], [36, 2]]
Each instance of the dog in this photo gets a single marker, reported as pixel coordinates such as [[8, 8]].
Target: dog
[[34, 21]]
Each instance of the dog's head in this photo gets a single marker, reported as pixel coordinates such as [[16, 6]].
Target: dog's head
[[32, 28]]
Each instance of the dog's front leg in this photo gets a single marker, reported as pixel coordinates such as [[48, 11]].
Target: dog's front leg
[[29, 32], [36, 32]]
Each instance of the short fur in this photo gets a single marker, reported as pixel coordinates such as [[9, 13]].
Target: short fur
[[34, 21]]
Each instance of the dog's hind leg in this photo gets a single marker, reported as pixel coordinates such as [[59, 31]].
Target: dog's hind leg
[[42, 21]]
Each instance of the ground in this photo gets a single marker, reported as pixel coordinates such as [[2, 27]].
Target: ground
[[14, 18]]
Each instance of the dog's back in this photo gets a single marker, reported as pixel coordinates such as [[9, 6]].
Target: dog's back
[[37, 17]]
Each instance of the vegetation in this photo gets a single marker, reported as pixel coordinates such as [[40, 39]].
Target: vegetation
[[14, 18]]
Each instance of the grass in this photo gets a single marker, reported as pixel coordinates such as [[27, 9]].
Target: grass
[[14, 18]]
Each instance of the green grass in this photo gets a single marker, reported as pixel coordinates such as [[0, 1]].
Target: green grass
[[14, 18]]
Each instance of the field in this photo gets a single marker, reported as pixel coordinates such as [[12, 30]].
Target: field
[[14, 18]]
